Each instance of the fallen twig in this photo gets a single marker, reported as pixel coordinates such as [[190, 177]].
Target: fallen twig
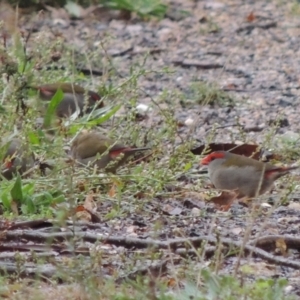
[[171, 244], [269, 241]]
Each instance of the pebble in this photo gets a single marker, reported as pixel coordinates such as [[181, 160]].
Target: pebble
[[195, 212], [143, 108], [189, 122]]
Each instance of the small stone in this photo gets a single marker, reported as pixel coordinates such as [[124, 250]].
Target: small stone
[[134, 29], [189, 122], [288, 289], [60, 22], [214, 5], [236, 230], [265, 205], [143, 108], [195, 212]]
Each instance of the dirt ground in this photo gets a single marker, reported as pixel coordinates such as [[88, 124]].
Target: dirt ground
[[245, 49]]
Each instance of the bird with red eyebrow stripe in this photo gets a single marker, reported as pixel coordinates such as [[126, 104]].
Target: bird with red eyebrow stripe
[[95, 149], [249, 177]]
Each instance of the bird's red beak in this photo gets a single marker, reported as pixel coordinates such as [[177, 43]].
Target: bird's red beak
[[7, 164], [205, 161], [46, 92]]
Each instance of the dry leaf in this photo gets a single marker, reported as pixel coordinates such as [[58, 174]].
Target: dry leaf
[[224, 200], [89, 203], [115, 184], [58, 13], [139, 195], [9, 18], [172, 282], [231, 86], [14, 207], [79, 208], [281, 247], [112, 191], [81, 185], [86, 212], [83, 215], [248, 150], [91, 207], [251, 17]]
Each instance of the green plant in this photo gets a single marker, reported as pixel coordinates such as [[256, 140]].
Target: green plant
[[209, 93], [141, 7], [226, 287], [23, 196]]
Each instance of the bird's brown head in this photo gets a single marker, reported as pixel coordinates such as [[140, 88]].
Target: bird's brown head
[[212, 156]]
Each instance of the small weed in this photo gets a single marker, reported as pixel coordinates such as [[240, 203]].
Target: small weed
[[143, 8], [295, 8], [208, 93], [209, 26]]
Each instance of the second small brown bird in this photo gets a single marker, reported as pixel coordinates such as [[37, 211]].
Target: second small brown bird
[[73, 94], [17, 159], [96, 149]]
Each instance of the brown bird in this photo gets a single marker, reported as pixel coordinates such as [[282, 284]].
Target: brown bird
[[94, 148], [73, 94], [17, 159], [249, 177]]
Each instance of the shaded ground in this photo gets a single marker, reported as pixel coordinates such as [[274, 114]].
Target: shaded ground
[[250, 48]]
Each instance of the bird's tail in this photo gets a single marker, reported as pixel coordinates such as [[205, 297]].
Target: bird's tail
[[117, 152], [279, 172]]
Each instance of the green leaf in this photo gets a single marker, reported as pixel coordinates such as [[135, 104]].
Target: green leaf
[[56, 99], [6, 200], [44, 198], [28, 189], [141, 7], [91, 123], [33, 138], [188, 166], [58, 199], [5, 196], [105, 112], [105, 117], [2, 109], [16, 192], [29, 205]]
